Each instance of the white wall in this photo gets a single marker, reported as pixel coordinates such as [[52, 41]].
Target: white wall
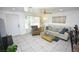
[[72, 17], [2, 27], [20, 20]]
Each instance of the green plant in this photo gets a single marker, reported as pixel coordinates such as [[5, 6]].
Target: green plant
[[12, 48]]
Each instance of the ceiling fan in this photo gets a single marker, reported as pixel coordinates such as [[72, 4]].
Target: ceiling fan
[[46, 12]]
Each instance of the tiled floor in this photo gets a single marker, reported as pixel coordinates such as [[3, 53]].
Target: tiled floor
[[29, 43]]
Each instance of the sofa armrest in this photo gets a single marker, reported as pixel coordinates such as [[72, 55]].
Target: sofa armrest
[[63, 36]]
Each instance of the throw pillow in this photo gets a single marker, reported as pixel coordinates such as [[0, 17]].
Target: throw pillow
[[66, 30], [47, 28], [46, 32], [50, 28], [63, 31]]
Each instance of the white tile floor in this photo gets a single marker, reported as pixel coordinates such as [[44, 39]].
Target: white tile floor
[[29, 43]]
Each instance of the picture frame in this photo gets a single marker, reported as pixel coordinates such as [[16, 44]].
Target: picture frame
[[59, 19]]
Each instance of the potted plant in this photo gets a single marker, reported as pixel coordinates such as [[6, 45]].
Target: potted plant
[[12, 48]]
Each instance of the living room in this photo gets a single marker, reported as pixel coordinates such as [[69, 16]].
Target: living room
[[40, 29]]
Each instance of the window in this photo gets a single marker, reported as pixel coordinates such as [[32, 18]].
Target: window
[[27, 22], [31, 21]]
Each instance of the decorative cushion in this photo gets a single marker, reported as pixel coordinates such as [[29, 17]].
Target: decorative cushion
[[49, 28], [47, 32], [63, 31]]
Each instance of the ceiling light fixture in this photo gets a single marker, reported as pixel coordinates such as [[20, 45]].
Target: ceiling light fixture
[[13, 8], [60, 9], [26, 9]]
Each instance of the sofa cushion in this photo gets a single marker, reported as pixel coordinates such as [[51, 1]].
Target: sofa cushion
[[54, 28], [57, 34]]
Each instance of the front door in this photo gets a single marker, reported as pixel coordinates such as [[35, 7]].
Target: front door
[[12, 21]]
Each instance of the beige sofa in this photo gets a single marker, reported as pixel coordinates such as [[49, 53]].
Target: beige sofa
[[62, 36], [54, 30]]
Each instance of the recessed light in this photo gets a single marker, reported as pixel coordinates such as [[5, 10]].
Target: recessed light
[[13, 8], [60, 9], [26, 9]]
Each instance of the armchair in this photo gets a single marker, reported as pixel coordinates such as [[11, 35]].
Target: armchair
[[35, 30]]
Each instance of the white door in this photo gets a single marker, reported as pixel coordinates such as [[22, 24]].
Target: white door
[[12, 21]]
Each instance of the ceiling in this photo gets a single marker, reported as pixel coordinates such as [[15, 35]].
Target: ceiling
[[36, 10], [14, 9]]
